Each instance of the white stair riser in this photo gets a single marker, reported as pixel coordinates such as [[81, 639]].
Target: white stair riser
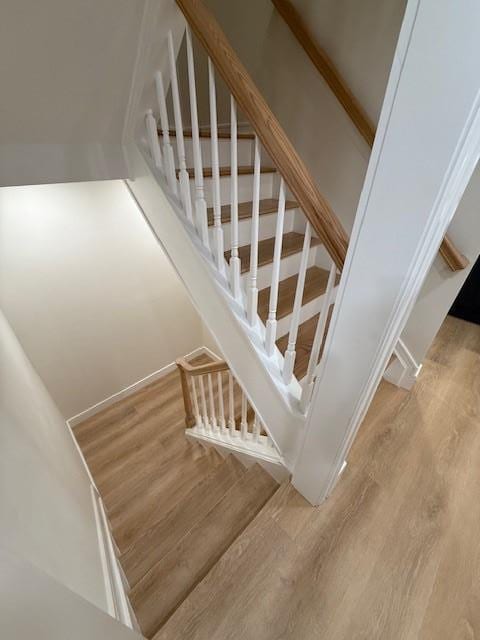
[[245, 188], [307, 311], [266, 228], [244, 151], [289, 266]]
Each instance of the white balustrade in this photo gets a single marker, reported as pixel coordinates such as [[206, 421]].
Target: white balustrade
[[235, 263], [290, 353], [196, 410], [244, 417], [217, 205], [213, 417], [200, 202], [318, 339], [169, 158], [252, 290], [203, 398], [177, 112], [231, 405], [221, 408], [271, 325], [153, 143]]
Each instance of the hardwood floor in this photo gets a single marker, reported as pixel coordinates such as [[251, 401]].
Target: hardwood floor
[[394, 554]]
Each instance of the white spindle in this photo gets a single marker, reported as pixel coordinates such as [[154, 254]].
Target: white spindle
[[318, 339], [213, 416], [196, 410], [244, 420], [205, 422], [256, 428], [252, 292], [217, 205], [153, 143], [235, 263], [177, 112], [231, 405], [271, 325], [167, 147], [221, 408], [297, 305], [200, 203]]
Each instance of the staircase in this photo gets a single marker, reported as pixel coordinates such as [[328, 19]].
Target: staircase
[[174, 506]]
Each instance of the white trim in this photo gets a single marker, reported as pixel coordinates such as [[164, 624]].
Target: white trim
[[132, 388], [118, 605], [80, 453], [404, 370]]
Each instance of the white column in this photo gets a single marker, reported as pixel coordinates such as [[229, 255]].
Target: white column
[[252, 290], [423, 157], [167, 147], [235, 266], [271, 325]]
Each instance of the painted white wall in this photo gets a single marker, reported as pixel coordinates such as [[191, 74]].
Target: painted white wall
[[46, 510], [32, 605], [88, 291], [66, 71]]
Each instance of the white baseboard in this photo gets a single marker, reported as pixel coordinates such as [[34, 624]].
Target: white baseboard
[[404, 370], [118, 605], [132, 388]]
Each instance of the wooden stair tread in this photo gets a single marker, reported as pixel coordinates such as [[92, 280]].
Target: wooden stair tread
[[156, 542], [222, 135], [256, 553], [306, 334], [315, 285], [268, 205], [243, 170], [169, 582], [292, 243]]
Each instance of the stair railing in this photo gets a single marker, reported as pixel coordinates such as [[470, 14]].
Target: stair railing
[[218, 409], [320, 220]]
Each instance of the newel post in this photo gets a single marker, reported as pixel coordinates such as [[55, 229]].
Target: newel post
[[426, 149]]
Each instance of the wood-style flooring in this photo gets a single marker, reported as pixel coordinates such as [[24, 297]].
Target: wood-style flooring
[[394, 554]]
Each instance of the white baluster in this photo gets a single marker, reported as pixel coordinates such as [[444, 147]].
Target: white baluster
[[252, 292], [205, 421], [231, 406], [217, 207], [213, 416], [235, 263], [243, 420], [221, 408], [200, 203], [271, 325], [153, 143], [318, 339], [297, 305], [256, 428], [177, 112], [196, 411], [167, 147]]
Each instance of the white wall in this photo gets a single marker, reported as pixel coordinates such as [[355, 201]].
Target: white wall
[[32, 605], [46, 511], [90, 294]]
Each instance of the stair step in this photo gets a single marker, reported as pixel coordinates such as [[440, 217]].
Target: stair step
[[169, 582], [159, 540], [306, 334], [243, 170], [315, 285], [220, 603], [268, 205], [292, 243], [135, 515], [206, 133]]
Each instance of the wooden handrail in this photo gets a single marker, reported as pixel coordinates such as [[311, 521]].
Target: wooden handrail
[[327, 69], [201, 369], [273, 138], [452, 256]]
